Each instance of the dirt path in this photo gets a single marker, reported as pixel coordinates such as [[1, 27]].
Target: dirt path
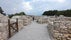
[[34, 31]]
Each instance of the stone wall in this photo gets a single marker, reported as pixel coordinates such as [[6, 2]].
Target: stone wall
[[60, 29], [3, 31], [3, 27], [41, 19], [22, 20]]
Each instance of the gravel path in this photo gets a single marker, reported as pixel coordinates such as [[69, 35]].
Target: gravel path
[[34, 31]]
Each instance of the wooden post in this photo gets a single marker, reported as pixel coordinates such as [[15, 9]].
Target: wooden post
[[17, 24], [9, 28]]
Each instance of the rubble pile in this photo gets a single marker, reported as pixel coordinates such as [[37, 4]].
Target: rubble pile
[[41, 19], [60, 29], [3, 27], [22, 20], [3, 32]]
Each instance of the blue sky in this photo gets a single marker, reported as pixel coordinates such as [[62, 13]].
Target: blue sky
[[33, 7]]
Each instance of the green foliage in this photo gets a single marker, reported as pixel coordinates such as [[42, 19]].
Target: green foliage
[[11, 15], [56, 12], [1, 11], [21, 13], [50, 12]]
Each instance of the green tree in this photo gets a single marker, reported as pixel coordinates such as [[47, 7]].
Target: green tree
[[50, 12], [19, 14], [56, 12], [1, 11]]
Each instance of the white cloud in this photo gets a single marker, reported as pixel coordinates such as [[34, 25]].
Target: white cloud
[[27, 6], [57, 1], [34, 6], [61, 1], [15, 9]]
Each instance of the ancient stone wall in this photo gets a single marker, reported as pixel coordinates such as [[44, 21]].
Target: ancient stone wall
[[22, 20], [60, 29], [3, 27]]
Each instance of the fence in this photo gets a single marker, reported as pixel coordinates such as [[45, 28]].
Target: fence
[[12, 27]]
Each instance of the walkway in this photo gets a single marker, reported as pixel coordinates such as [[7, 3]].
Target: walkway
[[34, 31]]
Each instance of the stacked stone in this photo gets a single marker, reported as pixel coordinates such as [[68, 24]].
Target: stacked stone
[[3, 31], [20, 23], [3, 19], [41, 19], [26, 20], [3, 27], [60, 30], [22, 20]]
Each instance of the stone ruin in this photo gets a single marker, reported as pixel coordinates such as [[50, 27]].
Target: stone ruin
[[60, 29], [22, 21], [3, 27], [41, 19]]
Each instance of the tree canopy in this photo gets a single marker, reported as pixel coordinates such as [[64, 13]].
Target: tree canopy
[[1, 11], [56, 12], [21, 13]]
